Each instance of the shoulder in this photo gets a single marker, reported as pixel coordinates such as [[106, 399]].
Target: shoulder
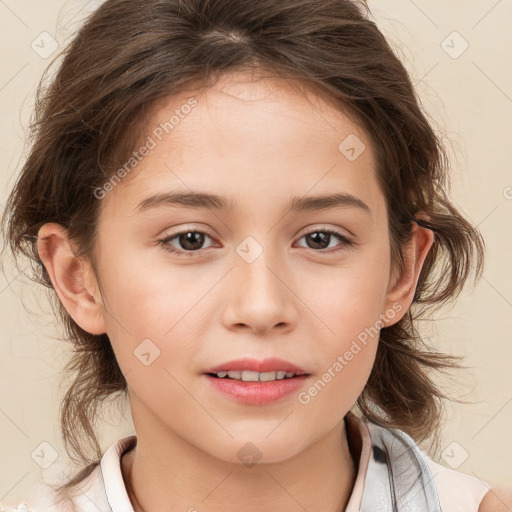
[[44, 501], [460, 491], [88, 496], [22, 507], [497, 500], [39, 506]]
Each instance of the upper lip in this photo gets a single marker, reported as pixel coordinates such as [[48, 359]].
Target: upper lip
[[271, 364]]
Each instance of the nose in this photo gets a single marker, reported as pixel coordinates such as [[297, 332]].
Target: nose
[[260, 296]]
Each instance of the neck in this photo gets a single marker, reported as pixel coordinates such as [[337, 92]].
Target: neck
[[319, 478]]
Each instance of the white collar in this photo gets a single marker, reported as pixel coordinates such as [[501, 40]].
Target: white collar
[[110, 464]]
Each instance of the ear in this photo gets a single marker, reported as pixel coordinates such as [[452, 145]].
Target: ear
[[67, 274], [402, 288]]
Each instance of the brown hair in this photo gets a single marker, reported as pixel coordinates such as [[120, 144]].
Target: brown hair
[[129, 54]]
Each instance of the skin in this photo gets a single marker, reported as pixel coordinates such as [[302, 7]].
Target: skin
[[497, 499], [259, 143]]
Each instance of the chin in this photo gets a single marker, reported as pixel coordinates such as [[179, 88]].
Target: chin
[[257, 449]]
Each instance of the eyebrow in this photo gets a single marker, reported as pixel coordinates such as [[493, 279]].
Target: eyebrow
[[216, 202]]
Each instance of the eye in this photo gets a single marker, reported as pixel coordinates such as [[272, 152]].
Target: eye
[[191, 241], [321, 238]]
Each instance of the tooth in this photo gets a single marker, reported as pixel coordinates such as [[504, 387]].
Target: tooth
[[250, 376]]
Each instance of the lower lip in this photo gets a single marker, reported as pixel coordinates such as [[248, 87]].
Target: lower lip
[[257, 393]]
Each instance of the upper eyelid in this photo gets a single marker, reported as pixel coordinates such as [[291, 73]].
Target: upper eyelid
[[315, 228], [302, 233], [346, 242]]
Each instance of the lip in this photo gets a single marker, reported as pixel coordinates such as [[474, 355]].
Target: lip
[[256, 393], [270, 364]]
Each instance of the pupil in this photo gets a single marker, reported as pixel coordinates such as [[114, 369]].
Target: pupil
[[191, 240], [323, 238]]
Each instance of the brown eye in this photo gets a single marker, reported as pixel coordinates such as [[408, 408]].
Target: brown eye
[[321, 239], [189, 242]]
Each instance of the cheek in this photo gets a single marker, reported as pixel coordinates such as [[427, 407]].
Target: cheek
[[348, 348], [349, 309], [351, 298], [158, 327], [148, 298], [345, 360]]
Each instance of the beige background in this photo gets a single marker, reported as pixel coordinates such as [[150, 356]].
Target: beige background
[[469, 94]]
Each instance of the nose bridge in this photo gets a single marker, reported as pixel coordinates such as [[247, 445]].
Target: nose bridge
[[258, 260], [260, 298]]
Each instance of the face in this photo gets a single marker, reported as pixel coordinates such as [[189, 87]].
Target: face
[[255, 278]]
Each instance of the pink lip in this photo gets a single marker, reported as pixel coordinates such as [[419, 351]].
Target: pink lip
[[271, 364], [257, 393]]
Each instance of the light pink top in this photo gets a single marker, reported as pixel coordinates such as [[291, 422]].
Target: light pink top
[[104, 490]]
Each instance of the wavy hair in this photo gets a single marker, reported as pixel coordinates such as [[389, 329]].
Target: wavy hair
[[130, 54]]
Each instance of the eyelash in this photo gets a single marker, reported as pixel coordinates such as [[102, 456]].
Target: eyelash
[[347, 243]]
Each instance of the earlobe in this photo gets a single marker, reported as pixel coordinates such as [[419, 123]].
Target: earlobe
[[402, 289], [68, 278]]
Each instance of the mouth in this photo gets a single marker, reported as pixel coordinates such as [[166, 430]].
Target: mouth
[[256, 382], [249, 369], [252, 376]]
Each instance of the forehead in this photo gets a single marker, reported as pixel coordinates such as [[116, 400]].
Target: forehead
[[248, 134]]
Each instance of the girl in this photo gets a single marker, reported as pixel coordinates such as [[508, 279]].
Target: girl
[[241, 209]]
